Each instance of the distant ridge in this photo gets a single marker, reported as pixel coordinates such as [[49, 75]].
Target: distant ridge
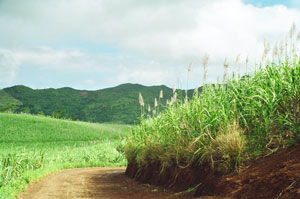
[[7, 101], [113, 105]]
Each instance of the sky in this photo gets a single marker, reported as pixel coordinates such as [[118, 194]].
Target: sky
[[95, 44]]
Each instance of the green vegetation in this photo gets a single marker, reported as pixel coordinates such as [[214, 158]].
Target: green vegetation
[[7, 102], [225, 124], [112, 105], [34, 146]]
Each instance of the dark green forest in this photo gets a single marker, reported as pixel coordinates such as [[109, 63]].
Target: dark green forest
[[118, 104]]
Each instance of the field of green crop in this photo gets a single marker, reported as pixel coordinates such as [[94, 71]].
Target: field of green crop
[[33, 146], [226, 124]]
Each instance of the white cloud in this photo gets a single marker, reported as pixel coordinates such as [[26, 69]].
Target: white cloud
[[8, 67], [163, 35], [54, 59], [90, 82], [46, 58], [150, 73]]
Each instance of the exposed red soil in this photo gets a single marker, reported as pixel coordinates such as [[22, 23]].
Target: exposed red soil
[[276, 176]]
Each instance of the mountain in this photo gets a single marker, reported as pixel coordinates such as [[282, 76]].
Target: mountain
[[115, 105], [7, 102]]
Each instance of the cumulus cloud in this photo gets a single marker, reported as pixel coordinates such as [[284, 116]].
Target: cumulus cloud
[[164, 36], [70, 59], [45, 58]]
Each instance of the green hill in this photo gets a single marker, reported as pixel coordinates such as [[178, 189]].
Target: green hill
[[7, 101], [114, 105]]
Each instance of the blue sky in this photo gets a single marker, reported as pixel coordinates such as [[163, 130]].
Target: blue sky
[[94, 44], [264, 3]]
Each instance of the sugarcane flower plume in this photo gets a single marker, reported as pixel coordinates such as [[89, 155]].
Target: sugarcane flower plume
[[161, 95], [141, 100]]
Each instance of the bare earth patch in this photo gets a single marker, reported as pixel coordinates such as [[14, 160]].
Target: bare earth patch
[[276, 176], [88, 183]]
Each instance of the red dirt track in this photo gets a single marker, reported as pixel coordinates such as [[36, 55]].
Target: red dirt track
[[92, 183]]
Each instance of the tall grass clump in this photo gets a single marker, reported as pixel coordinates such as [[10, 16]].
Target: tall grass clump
[[14, 165], [225, 124]]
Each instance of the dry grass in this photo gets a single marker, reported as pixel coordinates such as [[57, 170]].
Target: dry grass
[[227, 149]]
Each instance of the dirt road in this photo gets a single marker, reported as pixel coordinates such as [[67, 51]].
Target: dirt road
[[88, 183]]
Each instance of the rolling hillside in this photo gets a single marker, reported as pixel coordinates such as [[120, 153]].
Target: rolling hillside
[[7, 101], [114, 105]]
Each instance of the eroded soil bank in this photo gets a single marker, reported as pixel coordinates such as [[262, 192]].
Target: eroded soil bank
[[276, 176]]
